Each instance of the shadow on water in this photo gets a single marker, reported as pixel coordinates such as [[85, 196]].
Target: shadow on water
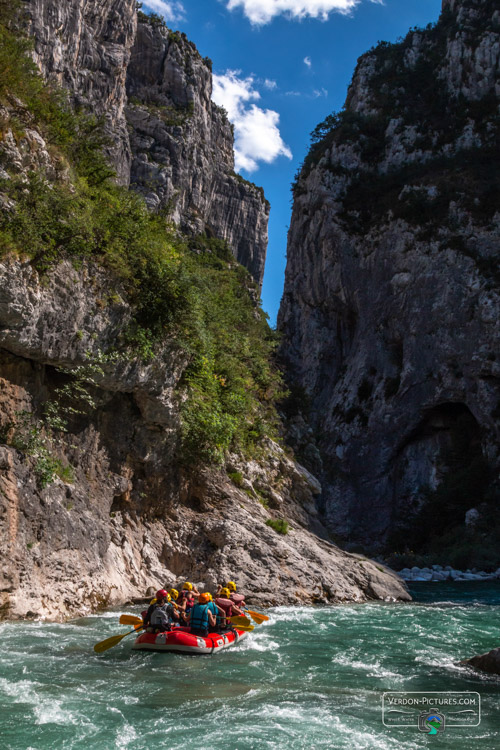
[[460, 592]]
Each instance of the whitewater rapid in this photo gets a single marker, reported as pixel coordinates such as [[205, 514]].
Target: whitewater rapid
[[309, 678]]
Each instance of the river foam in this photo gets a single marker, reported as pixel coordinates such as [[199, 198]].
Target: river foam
[[309, 678]]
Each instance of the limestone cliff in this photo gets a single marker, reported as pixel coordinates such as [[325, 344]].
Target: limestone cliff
[[182, 145], [167, 138], [390, 314], [85, 47]]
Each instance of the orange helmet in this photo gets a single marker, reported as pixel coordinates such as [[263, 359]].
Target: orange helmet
[[204, 598]]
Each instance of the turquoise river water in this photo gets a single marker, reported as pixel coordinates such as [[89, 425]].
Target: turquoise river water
[[310, 678]]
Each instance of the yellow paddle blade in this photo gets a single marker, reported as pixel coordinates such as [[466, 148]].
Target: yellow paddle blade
[[109, 642], [238, 620], [246, 628], [130, 620], [257, 616]]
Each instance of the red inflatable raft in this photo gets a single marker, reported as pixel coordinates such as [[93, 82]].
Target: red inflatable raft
[[181, 641]]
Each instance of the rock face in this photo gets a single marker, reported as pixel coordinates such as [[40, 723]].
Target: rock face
[[85, 47], [168, 139], [489, 662], [182, 145], [125, 515], [390, 314]]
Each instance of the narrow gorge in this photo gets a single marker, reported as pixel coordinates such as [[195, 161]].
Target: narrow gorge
[[139, 434]]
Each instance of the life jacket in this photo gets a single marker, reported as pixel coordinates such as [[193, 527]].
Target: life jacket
[[238, 599], [199, 616], [188, 597], [218, 617], [226, 605]]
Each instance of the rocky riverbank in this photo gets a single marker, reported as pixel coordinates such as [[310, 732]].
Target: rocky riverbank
[[438, 573]]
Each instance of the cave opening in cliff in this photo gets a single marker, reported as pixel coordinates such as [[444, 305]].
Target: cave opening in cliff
[[447, 446]]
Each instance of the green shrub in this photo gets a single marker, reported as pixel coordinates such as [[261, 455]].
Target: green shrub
[[232, 380], [155, 20], [236, 477], [32, 437], [263, 500], [243, 181], [279, 525]]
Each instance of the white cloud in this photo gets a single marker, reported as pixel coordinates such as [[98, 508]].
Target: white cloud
[[231, 92], [317, 93], [172, 10], [307, 61], [271, 85], [263, 11], [256, 133]]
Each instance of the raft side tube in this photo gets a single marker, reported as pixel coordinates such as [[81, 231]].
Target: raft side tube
[[181, 641]]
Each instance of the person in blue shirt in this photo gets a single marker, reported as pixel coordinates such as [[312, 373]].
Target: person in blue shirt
[[201, 617]]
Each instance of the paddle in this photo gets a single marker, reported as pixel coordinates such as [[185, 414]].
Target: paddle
[[247, 628], [131, 620], [99, 648], [257, 616], [240, 621]]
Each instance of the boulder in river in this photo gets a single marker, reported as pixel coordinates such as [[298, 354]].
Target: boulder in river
[[489, 662]]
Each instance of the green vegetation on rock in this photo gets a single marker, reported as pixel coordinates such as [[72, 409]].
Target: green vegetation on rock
[[36, 439], [153, 19], [187, 290], [404, 87], [279, 525], [407, 99]]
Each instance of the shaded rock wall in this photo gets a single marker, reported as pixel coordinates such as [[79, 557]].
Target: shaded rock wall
[[390, 314]]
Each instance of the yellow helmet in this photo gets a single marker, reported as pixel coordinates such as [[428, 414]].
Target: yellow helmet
[[174, 594], [231, 585], [225, 593], [188, 586], [204, 598]]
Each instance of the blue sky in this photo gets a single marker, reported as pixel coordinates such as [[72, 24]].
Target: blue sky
[[281, 66]]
